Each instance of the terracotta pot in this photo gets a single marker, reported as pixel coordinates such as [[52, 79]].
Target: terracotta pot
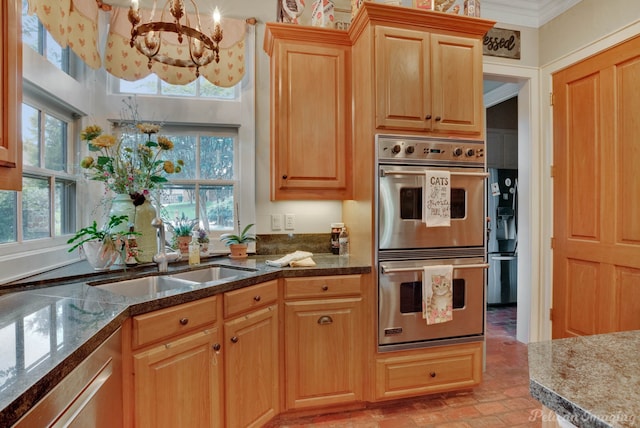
[[183, 244], [238, 251]]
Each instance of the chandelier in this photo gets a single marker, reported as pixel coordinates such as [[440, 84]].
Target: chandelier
[[147, 37]]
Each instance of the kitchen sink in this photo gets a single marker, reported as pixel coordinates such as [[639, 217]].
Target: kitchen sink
[[215, 273], [147, 286]]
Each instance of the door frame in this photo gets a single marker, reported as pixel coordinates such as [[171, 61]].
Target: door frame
[[524, 82]]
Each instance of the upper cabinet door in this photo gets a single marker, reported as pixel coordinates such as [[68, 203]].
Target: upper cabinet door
[[428, 82], [11, 93], [456, 71], [403, 87], [310, 115]]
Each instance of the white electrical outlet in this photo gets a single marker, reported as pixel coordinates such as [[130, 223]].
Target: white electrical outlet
[[289, 221], [276, 221]]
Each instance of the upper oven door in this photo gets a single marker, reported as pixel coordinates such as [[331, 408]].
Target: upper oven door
[[400, 209]]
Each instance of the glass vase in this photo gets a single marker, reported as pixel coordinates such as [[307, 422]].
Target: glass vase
[[140, 217]]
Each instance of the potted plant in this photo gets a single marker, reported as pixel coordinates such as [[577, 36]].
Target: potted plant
[[101, 246], [238, 243], [181, 228], [203, 240]]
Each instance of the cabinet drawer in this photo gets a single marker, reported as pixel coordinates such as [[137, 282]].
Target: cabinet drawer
[[322, 286], [154, 326], [256, 296], [434, 370]]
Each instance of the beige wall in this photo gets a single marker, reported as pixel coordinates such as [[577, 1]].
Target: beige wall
[[583, 24]]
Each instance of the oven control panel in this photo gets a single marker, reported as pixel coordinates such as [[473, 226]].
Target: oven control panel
[[425, 149]]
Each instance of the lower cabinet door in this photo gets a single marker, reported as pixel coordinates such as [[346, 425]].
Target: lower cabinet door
[[177, 383], [251, 368], [324, 352]]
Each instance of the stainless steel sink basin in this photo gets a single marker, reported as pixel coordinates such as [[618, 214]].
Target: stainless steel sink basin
[[147, 286], [215, 273]]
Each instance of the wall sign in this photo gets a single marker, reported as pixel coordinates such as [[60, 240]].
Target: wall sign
[[502, 42]]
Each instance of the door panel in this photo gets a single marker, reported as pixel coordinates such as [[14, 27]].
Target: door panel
[[596, 251]]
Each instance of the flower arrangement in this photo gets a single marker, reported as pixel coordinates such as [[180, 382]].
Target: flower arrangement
[[126, 167]]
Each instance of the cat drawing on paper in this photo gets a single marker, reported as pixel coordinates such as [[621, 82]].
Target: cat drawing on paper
[[440, 305]]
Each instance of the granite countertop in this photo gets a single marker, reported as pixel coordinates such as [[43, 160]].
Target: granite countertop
[[590, 381], [51, 322]]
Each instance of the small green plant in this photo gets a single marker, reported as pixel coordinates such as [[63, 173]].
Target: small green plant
[[203, 237], [242, 238], [180, 227], [106, 234]]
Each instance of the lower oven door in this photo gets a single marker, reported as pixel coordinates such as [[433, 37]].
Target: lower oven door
[[400, 322], [400, 209]]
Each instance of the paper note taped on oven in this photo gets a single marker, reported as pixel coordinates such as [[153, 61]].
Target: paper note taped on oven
[[437, 199]]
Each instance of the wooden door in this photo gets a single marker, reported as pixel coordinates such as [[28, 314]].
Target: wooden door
[[311, 129], [456, 87], [251, 368], [11, 95], [596, 247], [324, 352], [177, 384], [402, 76]]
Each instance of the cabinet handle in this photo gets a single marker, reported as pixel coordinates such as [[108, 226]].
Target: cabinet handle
[[325, 288], [184, 321], [325, 319], [432, 374], [284, 177], [234, 339], [216, 347], [428, 117], [438, 118], [256, 298]]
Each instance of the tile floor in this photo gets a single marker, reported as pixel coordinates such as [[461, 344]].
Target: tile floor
[[502, 400]]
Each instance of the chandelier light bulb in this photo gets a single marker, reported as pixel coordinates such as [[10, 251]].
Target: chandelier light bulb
[[216, 16]]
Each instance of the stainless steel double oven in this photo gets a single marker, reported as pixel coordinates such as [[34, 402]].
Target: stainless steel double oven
[[405, 245]]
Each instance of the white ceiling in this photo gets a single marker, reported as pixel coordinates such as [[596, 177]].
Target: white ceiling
[[528, 13]]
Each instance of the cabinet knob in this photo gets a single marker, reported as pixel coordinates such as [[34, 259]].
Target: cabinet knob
[[256, 298], [234, 339], [325, 288], [285, 176], [184, 321], [325, 319], [432, 374], [438, 118], [217, 347], [428, 117]]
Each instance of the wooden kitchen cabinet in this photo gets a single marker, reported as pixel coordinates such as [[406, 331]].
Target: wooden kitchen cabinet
[[251, 356], [324, 350], [428, 81], [310, 112], [178, 368], [426, 371], [11, 95]]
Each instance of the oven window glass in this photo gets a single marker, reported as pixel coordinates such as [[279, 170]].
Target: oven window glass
[[411, 296], [411, 203]]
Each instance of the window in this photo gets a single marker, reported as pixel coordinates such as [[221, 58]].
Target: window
[[46, 206], [207, 185], [36, 36], [153, 85]]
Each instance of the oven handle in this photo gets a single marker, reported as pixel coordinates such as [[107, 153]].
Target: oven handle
[[413, 269], [384, 172]]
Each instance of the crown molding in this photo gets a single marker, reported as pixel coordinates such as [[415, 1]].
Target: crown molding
[[527, 13]]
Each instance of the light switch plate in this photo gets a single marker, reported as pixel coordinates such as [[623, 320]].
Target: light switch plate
[[276, 221], [289, 221]]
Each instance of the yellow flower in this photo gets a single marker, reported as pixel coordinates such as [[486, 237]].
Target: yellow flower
[[148, 128], [105, 141], [165, 143], [86, 162], [90, 132], [168, 167]]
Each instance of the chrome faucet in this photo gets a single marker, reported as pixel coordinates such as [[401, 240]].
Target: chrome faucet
[[161, 256]]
